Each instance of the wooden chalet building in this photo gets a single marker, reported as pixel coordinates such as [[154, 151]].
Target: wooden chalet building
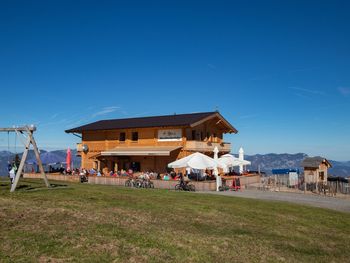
[[316, 169], [150, 143]]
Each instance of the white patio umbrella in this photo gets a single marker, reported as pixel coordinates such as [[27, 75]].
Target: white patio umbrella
[[230, 161], [198, 161], [195, 161]]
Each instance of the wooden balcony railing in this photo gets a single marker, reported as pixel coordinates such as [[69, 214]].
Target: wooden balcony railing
[[207, 146]]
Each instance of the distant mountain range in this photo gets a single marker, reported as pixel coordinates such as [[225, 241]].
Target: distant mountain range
[[270, 161], [266, 162], [6, 156]]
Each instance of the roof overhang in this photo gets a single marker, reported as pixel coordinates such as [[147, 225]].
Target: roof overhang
[[328, 163], [180, 120], [230, 128], [140, 151]]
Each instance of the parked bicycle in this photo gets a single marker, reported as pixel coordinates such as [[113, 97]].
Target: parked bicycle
[[144, 183], [84, 178], [131, 182], [183, 186]]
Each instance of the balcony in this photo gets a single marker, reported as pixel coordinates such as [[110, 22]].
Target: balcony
[[199, 146]]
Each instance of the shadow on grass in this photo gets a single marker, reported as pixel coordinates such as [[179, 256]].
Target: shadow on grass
[[32, 185], [26, 187]]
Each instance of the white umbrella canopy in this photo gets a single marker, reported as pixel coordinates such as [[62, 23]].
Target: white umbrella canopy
[[195, 161], [230, 160]]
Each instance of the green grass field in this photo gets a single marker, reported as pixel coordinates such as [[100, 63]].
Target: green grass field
[[93, 223]]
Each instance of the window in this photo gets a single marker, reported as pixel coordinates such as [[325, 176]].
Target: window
[[135, 166], [134, 136], [321, 176], [122, 137], [193, 135]]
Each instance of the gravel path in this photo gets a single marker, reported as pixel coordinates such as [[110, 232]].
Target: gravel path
[[338, 204]]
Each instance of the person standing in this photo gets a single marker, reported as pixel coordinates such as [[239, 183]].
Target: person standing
[[9, 166], [12, 175]]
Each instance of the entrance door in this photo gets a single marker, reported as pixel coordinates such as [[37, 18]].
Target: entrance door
[[135, 166], [112, 166]]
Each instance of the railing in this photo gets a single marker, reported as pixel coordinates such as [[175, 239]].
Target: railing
[[207, 146], [189, 146]]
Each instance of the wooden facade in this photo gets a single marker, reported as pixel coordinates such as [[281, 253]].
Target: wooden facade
[[144, 148], [316, 169]]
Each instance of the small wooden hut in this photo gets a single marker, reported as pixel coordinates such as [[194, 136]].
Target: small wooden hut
[[316, 169]]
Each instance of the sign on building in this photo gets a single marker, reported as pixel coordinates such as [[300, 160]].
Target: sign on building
[[170, 135]]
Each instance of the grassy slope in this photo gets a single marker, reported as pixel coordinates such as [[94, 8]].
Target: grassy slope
[[91, 223]]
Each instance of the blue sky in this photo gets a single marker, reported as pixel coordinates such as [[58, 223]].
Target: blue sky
[[277, 70]]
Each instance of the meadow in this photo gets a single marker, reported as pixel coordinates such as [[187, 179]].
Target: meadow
[[95, 223]]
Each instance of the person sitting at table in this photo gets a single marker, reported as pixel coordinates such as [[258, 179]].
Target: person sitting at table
[[186, 179], [166, 177], [172, 175], [92, 171]]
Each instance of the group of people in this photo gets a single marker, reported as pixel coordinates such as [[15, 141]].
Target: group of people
[[104, 172], [148, 175]]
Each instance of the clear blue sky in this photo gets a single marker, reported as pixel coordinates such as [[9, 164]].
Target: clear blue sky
[[279, 71]]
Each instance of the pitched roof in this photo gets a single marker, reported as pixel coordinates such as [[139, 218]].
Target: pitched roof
[[155, 121], [314, 162]]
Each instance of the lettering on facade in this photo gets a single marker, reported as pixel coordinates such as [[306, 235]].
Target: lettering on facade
[[170, 135]]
